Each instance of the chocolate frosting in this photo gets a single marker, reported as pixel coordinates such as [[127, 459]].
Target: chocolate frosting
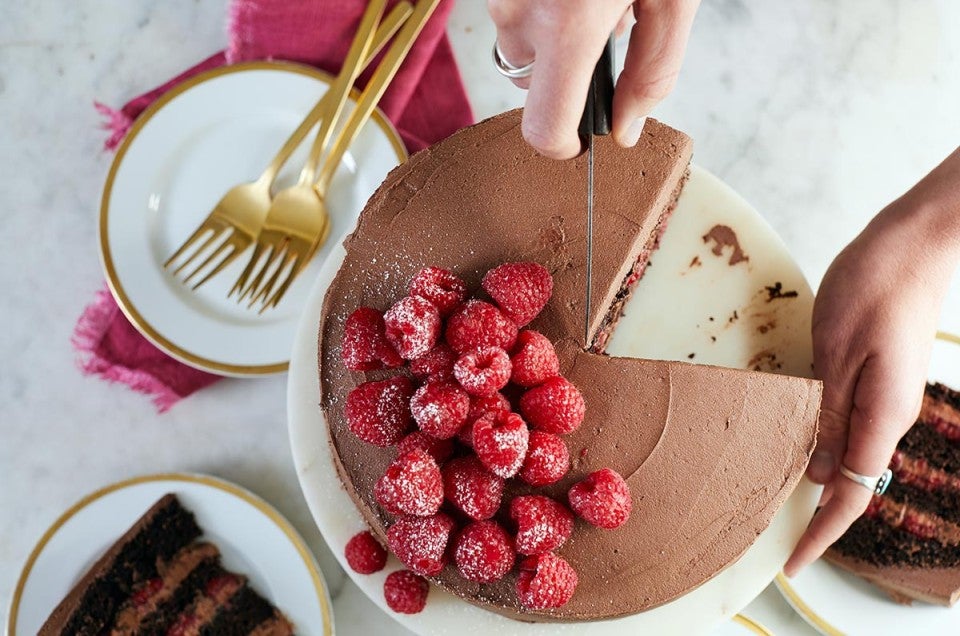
[[710, 453]]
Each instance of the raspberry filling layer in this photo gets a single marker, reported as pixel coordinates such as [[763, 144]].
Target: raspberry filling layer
[[917, 472], [919, 523]]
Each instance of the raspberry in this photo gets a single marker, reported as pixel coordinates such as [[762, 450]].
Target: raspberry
[[472, 488], [479, 324], [535, 360], [441, 287], [421, 542], [436, 364], [379, 412], [547, 459], [603, 499], [364, 554], [500, 441], [483, 372], [545, 581], [412, 326], [412, 485], [483, 552], [440, 408], [521, 290], [555, 406], [439, 449], [543, 524], [405, 592], [365, 346], [480, 406]]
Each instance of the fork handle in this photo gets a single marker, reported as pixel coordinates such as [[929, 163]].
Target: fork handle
[[375, 89], [386, 30]]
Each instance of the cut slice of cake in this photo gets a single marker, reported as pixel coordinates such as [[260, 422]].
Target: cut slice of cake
[[908, 540], [709, 453], [158, 579]]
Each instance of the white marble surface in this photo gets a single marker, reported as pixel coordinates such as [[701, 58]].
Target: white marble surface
[[818, 112]]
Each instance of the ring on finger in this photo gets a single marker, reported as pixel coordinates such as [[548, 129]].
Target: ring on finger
[[876, 485], [507, 69]]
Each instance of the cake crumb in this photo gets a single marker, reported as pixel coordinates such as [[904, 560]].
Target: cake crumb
[[776, 291], [691, 356], [696, 262]]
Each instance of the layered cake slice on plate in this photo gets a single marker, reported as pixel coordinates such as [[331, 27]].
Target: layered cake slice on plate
[[908, 540], [709, 453]]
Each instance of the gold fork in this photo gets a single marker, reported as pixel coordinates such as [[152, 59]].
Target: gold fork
[[292, 240], [244, 207]]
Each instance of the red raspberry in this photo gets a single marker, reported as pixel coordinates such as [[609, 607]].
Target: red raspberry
[[405, 592], [521, 290], [379, 412], [412, 326], [439, 449], [472, 488], [483, 552], [364, 554], [556, 406], [545, 581], [365, 346], [412, 485], [535, 360], [603, 499], [436, 364], [480, 406], [441, 287], [500, 441], [543, 524], [483, 372], [547, 459], [421, 542], [479, 324], [440, 408]]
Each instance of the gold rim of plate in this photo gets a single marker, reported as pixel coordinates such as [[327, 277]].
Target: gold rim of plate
[[783, 584], [206, 480], [751, 624], [113, 281]]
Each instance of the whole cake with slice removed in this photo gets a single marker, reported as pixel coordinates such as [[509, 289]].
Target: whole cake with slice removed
[[708, 454], [158, 579], [907, 542]]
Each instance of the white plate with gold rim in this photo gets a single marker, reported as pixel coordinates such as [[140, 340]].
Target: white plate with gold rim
[[836, 602], [199, 139], [733, 325], [253, 538]]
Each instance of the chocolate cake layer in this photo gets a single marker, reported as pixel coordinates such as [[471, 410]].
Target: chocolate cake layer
[[710, 453], [93, 603], [923, 441], [241, 614], [183, 600]]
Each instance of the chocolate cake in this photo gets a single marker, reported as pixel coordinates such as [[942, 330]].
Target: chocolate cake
[[158, 579], [907, 542], [709, 453]]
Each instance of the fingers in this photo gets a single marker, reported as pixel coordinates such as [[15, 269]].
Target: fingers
[[514, 44], [657, 44]]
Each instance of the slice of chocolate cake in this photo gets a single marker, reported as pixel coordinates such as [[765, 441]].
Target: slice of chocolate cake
[[158, 579], [907, 542]]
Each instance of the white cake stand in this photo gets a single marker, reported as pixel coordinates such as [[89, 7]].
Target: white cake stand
[[692, 305]]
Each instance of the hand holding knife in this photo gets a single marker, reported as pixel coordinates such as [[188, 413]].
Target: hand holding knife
[[596, 120]]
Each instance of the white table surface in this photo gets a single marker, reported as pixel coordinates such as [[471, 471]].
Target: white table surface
[[817, 112]]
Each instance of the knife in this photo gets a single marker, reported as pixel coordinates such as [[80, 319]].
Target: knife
[[596, 120]]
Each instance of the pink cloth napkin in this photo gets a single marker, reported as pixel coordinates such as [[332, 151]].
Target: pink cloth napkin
[[426, 102]]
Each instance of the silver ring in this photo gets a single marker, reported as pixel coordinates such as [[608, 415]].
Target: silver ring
[[876, 485], [506, 68]]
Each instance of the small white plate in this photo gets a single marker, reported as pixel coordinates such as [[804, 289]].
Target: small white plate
[[771, 335], [253, 538], [836, 602], [198, 140]]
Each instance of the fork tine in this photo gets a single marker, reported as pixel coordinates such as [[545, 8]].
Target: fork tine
[[226, 260], [274, 300], [241, 282], [209, 259], [216, 232], [202, 229], [285, 259], [254, 285]]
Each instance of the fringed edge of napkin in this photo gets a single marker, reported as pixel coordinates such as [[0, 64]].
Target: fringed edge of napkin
[[87, 336]]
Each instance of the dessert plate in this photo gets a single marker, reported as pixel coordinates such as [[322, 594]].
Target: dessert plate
[[836, 602], [198, 140], [756, 315], [254, 540]]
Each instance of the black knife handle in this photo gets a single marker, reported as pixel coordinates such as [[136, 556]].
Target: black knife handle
[[597, 118]]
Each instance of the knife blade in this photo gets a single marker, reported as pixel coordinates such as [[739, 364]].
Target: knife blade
[[596, 120]]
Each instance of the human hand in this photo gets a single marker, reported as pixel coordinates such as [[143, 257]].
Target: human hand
[[874, 322], [566, 39]]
